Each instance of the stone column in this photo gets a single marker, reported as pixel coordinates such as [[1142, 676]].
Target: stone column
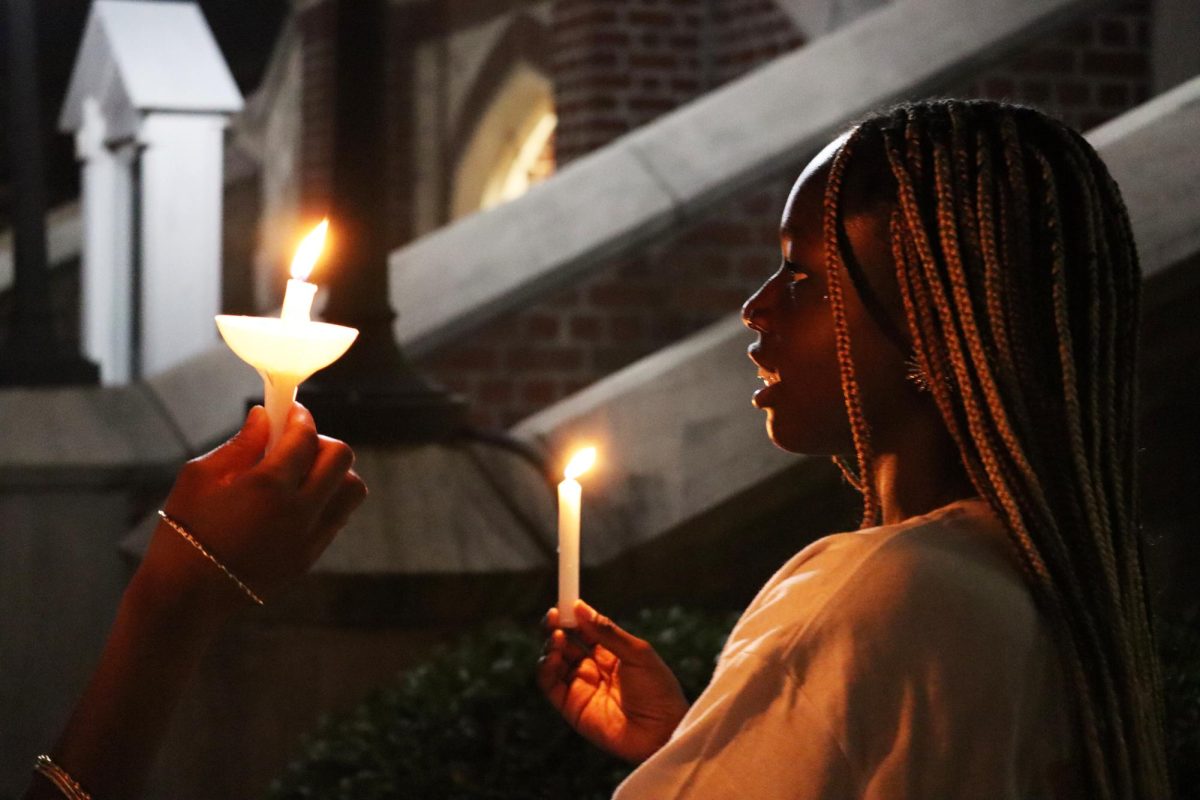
[[106, 299], [180, 236]]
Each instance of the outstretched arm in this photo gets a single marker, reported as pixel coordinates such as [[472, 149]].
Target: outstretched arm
[[266, 519]]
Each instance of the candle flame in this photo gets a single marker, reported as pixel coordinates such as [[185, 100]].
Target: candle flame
[[581, 462], [309, 251]]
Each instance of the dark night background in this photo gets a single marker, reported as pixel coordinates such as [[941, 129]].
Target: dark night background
[[245, 31]]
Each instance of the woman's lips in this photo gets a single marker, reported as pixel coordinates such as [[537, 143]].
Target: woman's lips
[[769, 377], [771, 383]]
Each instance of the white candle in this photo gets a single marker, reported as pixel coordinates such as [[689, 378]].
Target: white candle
[[297, 301], [570, 507], [285, 351], [298, 297]]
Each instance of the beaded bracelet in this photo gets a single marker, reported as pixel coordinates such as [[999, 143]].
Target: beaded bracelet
[[182, 531], [68, 786]]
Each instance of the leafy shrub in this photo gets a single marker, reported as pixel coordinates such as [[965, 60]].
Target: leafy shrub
[[471, 723]]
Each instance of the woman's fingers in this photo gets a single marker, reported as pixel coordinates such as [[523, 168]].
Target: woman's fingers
[[330, 467], [604, 658], [597, 629], [552, 673], [245, 448], [292, 456]]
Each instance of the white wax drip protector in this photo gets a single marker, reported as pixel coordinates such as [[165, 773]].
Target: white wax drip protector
[[285, 353]]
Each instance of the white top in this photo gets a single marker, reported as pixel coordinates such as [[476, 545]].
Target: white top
[[903, 661]]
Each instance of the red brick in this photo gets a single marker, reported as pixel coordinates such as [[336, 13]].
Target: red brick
[[626, 328], [611, 359], [545, 357], [1048, 60], [542, 326], [539, 392], [1035, 91], [1133, 64], [727, 233], [1079, 33], [1114, 33], [998, 88], [652, 105], [709, 264], [607, 38], [1073, 93], [716, 299], [651, 18], [585, 327], [1143, 34], [584, 14], [611, 295], [470, 357], [653, 61], [496, 391], [755, 269], [1113, 95]]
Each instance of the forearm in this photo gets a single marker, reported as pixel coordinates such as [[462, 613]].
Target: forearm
[[156, 641]]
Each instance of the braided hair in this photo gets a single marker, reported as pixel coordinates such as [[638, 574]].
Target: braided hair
[[1020, 282]]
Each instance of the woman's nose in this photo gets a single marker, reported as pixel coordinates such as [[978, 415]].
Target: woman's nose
[[754, 310]]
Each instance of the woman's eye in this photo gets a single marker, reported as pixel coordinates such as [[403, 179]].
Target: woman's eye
[[794, 272]]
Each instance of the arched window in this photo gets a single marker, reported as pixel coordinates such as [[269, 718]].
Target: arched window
[[533, 163], [512, 145]]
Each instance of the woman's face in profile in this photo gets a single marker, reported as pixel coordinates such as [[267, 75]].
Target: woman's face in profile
[[796, 348]]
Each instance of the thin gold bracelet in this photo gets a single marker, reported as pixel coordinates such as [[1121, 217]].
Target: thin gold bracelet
[[68, 786], [182, 531]]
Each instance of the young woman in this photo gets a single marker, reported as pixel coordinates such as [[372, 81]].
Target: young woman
[[957, 307]]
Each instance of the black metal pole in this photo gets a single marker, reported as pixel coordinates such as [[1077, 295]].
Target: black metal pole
[[373, 395], [34, 353]]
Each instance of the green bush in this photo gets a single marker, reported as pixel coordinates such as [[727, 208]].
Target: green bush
[[470, 723]]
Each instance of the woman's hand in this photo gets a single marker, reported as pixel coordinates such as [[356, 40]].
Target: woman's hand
[[266, 518], [610, 686]]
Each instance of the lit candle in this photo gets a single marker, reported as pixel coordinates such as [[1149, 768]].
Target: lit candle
[[298, 297], [287, 349], [570, 501]]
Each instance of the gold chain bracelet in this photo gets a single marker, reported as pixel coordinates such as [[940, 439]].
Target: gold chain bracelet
[[182, 531], [68, 786]]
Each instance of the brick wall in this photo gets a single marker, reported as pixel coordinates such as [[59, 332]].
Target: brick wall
[[617, 66], [749, 33], [1085, 73], [316, 24]]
